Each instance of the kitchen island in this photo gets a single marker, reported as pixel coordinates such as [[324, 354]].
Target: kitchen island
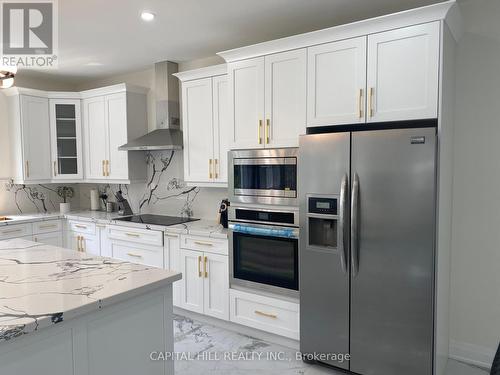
[[64, 312]]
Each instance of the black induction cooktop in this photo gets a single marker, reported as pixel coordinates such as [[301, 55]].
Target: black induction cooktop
[[156, 219]]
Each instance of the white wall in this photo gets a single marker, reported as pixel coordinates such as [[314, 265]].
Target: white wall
[[475, 272]]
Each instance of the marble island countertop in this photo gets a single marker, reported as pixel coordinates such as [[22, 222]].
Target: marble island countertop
[[203, 227], [42, 285]]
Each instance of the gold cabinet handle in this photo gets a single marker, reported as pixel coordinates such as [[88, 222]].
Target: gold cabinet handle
[[80, 226], [205, 266], [171, 235], [47, 226], [203, 243], [216, 168], [370, 101], [107, 168], [258, 132], [100, 226], [11, 231], [360, 103], [104, 168], [199, 266], [267, 315], [210, 168], [78, 245], [82, 239], [27, 168], [134, 255], [132, 234], [55, 168], [268, 126]]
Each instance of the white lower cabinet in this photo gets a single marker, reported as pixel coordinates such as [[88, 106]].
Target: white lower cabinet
[[205, 279], [268, 314], [104, 245], [172, 261], [54, 238], [85, 243]]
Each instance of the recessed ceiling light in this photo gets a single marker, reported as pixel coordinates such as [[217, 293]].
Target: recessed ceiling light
[[147, 16]]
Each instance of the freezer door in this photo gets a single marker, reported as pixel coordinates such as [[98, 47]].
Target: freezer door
[[324, 252], [392, 245]]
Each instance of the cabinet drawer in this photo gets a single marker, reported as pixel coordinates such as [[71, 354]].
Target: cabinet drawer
[[81, 227], [16, 230], [40, 227], [142, 236], [265, 313], [147, 255], [209, 245]]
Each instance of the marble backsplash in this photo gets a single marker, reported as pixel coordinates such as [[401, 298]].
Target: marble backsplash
[[164, 192]]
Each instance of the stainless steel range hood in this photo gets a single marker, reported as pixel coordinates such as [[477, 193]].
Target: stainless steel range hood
[[167, 135]]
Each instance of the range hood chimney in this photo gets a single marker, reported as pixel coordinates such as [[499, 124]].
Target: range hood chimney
[[167, 135]]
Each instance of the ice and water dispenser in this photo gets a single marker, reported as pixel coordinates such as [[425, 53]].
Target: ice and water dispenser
[[322, 221]]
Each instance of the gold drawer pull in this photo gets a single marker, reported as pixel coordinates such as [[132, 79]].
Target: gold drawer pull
[[12, 231], [132, 234], [171, 235], [268, 125], [100, 226], [370, 102], [104, 168], [203, 243], [258, 132], [55, 168], [107, 168], [216, 168], [27, 168], [80, 226], [199, 266], [47, 226], [205, 267], [134, 255], [360, 104], [210, 175], [267, 315]]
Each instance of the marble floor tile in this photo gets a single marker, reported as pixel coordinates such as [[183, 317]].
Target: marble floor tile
[[206, 345]]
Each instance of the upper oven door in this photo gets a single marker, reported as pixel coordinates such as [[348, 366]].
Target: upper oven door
[[263, 176]]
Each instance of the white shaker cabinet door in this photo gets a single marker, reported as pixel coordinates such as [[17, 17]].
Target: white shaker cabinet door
[[246, 106], [96, 137], [198, 135], [36, 138], [192, 280], [216, 285], [403, 72], [220, 88], [54, 238], [285, 93], [337, 83], [117, 162]]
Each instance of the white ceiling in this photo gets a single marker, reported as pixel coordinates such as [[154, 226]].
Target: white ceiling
[[105, 37]]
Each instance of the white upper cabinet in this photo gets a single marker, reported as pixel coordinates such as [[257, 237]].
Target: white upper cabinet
[[111, 117], [117, 163], [96, 137], [197, 120], [285, 98], [205, 123], [29, 132], [403, 73], [35, 135], [66, 139], [220, 89], [246, 103], [268, 100], [336, 83]]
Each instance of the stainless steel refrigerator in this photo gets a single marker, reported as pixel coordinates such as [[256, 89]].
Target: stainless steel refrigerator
[[367, 244]]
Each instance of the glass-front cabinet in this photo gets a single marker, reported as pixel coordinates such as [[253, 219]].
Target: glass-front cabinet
[[66, 139]]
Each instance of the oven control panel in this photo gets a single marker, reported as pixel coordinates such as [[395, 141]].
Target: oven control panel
[[324, 206]]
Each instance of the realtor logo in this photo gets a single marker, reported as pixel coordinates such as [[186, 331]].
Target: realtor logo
[[29, 33]]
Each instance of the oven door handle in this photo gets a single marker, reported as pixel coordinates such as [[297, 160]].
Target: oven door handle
[[262, 230]]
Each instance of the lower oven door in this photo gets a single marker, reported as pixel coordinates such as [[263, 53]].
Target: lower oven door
[[265, 258]]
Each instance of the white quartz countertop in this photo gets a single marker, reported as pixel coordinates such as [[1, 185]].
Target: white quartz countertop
[[42, 285], [203, 227]]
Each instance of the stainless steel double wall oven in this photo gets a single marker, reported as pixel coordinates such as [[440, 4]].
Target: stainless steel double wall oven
[[264, 220]]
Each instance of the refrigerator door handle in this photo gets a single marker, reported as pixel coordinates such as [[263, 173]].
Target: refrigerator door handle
[[343, 227], [355, 225]]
